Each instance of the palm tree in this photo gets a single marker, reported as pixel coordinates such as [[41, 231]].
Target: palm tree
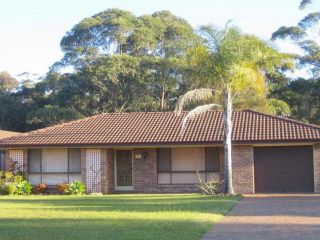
[[228, 63]]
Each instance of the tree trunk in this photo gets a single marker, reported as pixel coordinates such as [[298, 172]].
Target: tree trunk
[[162, 98], [227, 123]]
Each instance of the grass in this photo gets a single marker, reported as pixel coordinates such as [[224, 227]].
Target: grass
[[132, 216]]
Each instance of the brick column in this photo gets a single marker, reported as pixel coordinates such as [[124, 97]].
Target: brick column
[[145, 171], [83, 166], [25, 161], [243, 169], [316, 167], [107, 170]]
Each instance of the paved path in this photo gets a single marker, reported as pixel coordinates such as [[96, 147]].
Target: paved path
[[271, 217]]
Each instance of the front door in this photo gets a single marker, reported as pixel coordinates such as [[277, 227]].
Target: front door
[[124, 170]]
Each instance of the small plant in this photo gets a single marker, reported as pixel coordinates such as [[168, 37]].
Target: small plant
[[76, 188], [62, 187], [41, 188], [210, 187]]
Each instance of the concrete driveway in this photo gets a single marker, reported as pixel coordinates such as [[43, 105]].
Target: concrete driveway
[[266, 217]]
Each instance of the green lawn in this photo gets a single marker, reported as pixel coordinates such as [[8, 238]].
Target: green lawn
[[156, 216]]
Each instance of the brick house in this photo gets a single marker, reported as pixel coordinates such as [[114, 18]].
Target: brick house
[[146, 152]]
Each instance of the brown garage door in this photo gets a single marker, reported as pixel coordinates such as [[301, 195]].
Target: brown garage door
[[283, 169]]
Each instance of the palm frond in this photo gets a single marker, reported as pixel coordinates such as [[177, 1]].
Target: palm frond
[[196, 112], [193, 96]]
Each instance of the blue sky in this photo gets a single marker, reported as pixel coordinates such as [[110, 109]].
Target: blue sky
[[30, 31]]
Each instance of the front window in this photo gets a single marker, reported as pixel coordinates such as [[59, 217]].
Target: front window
[[182, 165], [53, 166]]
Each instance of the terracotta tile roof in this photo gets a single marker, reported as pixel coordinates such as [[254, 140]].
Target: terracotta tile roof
[[165, 128], [5, 134]]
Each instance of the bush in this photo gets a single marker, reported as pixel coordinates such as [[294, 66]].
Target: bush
[[41, 188], [14, 184], [62, 187], [20, 188], [76, 188]]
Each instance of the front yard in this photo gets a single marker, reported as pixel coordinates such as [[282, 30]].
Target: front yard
[[156, 216]]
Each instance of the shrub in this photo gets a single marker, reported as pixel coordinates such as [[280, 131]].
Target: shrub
[[14, 184], [20, 188], [76, 188], [62, 187], [41, 188]]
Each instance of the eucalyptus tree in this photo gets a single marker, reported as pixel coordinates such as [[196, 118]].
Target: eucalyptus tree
[[107, 41], [302, 94], [228, 64]]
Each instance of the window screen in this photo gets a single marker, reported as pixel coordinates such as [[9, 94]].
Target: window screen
[[212, 159], [74, 160], [34, 161], [164, 159]]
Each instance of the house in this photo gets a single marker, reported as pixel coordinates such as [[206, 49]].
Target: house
[[5, 134], [146, 152]]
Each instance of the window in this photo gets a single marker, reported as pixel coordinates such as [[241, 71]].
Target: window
[[180, 165], [53, 166], [1, 160]]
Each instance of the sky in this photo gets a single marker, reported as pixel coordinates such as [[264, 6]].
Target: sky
[[30, 31]]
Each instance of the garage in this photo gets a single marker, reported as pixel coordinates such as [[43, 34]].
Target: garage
[[283, 169]]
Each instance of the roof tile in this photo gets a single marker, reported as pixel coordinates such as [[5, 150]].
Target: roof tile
[[165, 128]]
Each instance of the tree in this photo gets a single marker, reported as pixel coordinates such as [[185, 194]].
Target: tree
[[7, 82], [306, 36], [112, 40], [228, 64], [302, 94]]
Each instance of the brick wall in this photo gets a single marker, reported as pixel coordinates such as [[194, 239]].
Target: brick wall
[[83, 166], [107, 170], [316, 166], [144, 173], [243, 169]]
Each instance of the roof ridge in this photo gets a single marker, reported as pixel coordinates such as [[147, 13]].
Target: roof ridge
[[285, 119]]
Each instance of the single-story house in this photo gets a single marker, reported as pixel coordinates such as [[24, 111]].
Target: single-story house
[[5, 134], [146, 152]]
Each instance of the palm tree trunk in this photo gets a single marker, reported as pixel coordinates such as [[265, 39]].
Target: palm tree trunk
[[227, 122]]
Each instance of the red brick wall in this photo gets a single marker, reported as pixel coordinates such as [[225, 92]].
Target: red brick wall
[[243, 169], [316, 166], [107, 170], [144, 173]]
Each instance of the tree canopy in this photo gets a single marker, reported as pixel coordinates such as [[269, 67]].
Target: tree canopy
[[115, 61]]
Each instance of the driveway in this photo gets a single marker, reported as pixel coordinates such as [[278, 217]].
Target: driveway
[[266, 217]]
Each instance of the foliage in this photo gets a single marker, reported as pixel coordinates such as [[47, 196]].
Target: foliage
[[120, 216], [210, 187], [41, 188], [75, 188], [14, 184], [7, 82], [62, 187], [50, 115], [305, 35], [115, 61], [233, 65]]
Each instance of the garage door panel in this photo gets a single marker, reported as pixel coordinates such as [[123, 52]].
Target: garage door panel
[[283, 169]]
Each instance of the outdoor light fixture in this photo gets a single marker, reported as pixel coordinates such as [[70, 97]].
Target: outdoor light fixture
[[145, 155]]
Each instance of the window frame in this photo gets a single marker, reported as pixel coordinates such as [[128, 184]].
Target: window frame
[[41, 173], [206, 172]]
